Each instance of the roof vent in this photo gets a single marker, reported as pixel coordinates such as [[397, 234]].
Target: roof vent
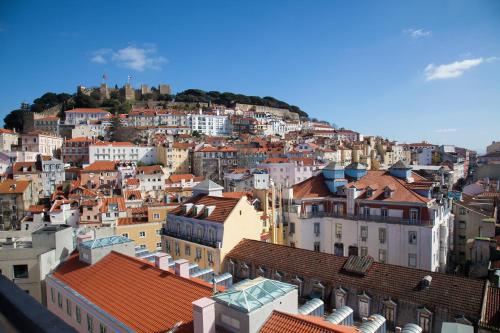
[[198, 209], [187, 207], [425, 283]]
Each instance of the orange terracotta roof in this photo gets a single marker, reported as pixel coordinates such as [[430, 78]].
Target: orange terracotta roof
[[280, 322], [218, 149], [113, 143], [148, 169], [6, 131], [80, 139], [129, 193], [491, 317], [36, 209], [18, 167], [313, 187], [87, 110], [132, 181], [130, 221], [223, 207], [100, 166], [13, 186], [180, 145], [180, 177], [136, 293], [236, 195], [107, 201]]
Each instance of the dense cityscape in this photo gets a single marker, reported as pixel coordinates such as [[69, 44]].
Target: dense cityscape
[[248, 204], [250, 166]]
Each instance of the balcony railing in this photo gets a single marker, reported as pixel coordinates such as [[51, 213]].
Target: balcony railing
[[197, 240], [363, 217]]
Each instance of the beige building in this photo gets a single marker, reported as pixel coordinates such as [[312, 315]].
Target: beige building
[[7, 139], [146, 235], [42, 143], [15, 199], [206, 227], [175, 157]]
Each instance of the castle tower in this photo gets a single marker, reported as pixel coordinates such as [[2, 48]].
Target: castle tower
[[129, 92], [103, 89]]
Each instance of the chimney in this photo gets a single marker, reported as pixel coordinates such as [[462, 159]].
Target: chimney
[[204, 315], [182, 268], [161, 260], [82, 238]]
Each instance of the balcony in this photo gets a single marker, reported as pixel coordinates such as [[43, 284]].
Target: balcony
[[192, 239], [362, 217]]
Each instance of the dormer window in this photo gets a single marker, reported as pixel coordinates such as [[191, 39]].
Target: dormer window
[[387, 192], [425, 319], [369, 192]]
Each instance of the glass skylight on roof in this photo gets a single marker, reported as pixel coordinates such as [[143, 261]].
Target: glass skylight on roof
[[249, 295], [106, 241]]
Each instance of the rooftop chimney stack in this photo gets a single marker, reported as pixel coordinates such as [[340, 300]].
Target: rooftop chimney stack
[[161, 260], [204, 315], [182, 268]]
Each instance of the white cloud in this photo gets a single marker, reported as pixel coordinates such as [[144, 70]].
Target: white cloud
[[417, 33], [453, 70], [132, 57], [446, 130], [138, 58], [100, 56]]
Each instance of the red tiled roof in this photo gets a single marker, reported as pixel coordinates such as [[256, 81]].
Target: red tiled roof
[[136, 293], [180, 145], [458, 295], [113, 143], [87, 110], [117, 200], [36, 209], [18, 167], [6, 131], [129, 193], [313, 187], [491, 317], [148, 169], [280, 322], [100, 166], [132, 181], [223, 207], [180, 177], [129, 221], [13, 186], [218, 149], [80, 139]]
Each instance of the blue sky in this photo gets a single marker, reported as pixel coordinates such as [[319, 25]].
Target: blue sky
[[407, 70]]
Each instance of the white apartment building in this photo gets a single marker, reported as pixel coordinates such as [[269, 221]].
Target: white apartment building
[[7, 139], [149, 118], [152, 179], [389, 215], [65, 212], [85, 116], [421, 152], [41, 143], [210, 124], [290, 171], [121, 151]]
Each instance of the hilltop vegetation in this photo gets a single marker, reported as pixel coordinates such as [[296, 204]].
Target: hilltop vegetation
[[117, 104]]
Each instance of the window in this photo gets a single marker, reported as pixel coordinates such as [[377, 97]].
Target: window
[[340, 297], [381, 256], [68, 307], [424, 320], [364, 305], [59, 300], [102, 328], [211, 235], [292, 228], [156, 216], [177, 248], [21, 271], [316, 229], [384, 213], [52, 295], [158, 245], [158, 232], [364, 251], [187, 250], [210, 257], [338, 230], [381, 235], [462, 211], [90, 324], [389, 312], [316, 246], [142, 234], [198, 253], [125, 235], [366, 211], [364, 233], [78, 314], [412, 237], [412, 260], [413, 215]]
